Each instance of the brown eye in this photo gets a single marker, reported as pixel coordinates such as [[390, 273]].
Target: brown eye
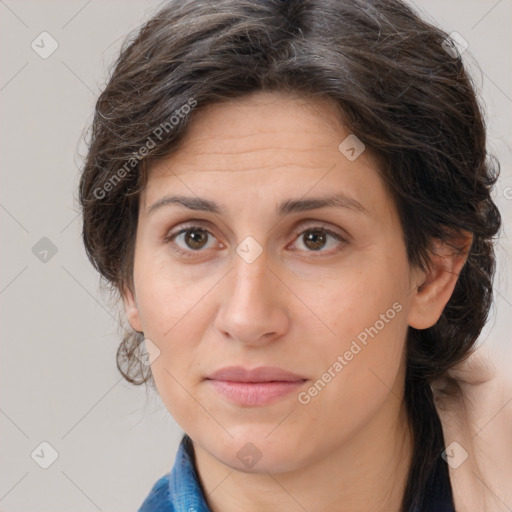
[[195, 238], [314, 239], [191, 241], [319, 239]]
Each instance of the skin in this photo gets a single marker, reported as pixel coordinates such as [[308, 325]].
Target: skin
[[349, 447]]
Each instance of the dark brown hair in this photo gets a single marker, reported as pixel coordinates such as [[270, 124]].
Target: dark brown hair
[[397, 89]]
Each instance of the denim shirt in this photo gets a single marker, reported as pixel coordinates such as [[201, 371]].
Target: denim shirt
[[180, 491]]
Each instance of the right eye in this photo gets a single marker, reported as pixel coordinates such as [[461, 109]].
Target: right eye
[[190, 239]]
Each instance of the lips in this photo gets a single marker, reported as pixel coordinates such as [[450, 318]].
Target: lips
[[261, 374], [256, 387]]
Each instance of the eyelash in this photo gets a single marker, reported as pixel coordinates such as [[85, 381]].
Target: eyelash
[[193, 227]]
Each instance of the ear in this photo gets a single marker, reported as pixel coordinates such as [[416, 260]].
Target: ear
[[131, 308], [433, 288]]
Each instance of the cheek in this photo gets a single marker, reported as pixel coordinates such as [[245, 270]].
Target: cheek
[[165, 294], [360, 368], [173, 309], [359, 303], [366, 315]]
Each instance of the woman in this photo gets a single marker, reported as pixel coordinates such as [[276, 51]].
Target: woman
[[292, 199]]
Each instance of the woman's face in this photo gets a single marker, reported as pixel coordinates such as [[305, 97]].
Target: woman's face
[[272, 278]]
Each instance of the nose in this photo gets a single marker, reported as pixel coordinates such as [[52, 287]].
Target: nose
[[253, 309]]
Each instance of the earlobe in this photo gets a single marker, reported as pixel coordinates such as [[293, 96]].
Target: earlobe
[[131, 309], [434, 287]]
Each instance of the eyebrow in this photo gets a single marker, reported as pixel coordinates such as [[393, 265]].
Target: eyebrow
[[339, 200]]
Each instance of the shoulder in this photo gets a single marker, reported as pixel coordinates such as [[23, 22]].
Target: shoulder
[[474, 403]]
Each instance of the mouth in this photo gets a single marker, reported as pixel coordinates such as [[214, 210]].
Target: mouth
[[256, 387]]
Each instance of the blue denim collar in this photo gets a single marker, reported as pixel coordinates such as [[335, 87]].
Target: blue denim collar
[[179, 490]]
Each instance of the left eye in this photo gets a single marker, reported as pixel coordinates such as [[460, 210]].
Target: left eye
[[315, 239]]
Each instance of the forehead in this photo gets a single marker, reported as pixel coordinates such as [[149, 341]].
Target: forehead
[[265, 121], [274, 142]]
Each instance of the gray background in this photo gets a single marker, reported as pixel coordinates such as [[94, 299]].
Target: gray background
[[59, 382]]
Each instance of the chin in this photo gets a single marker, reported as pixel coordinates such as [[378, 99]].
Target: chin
[[253, 451]]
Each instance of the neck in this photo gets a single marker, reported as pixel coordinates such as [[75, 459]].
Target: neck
[[367, 472]]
